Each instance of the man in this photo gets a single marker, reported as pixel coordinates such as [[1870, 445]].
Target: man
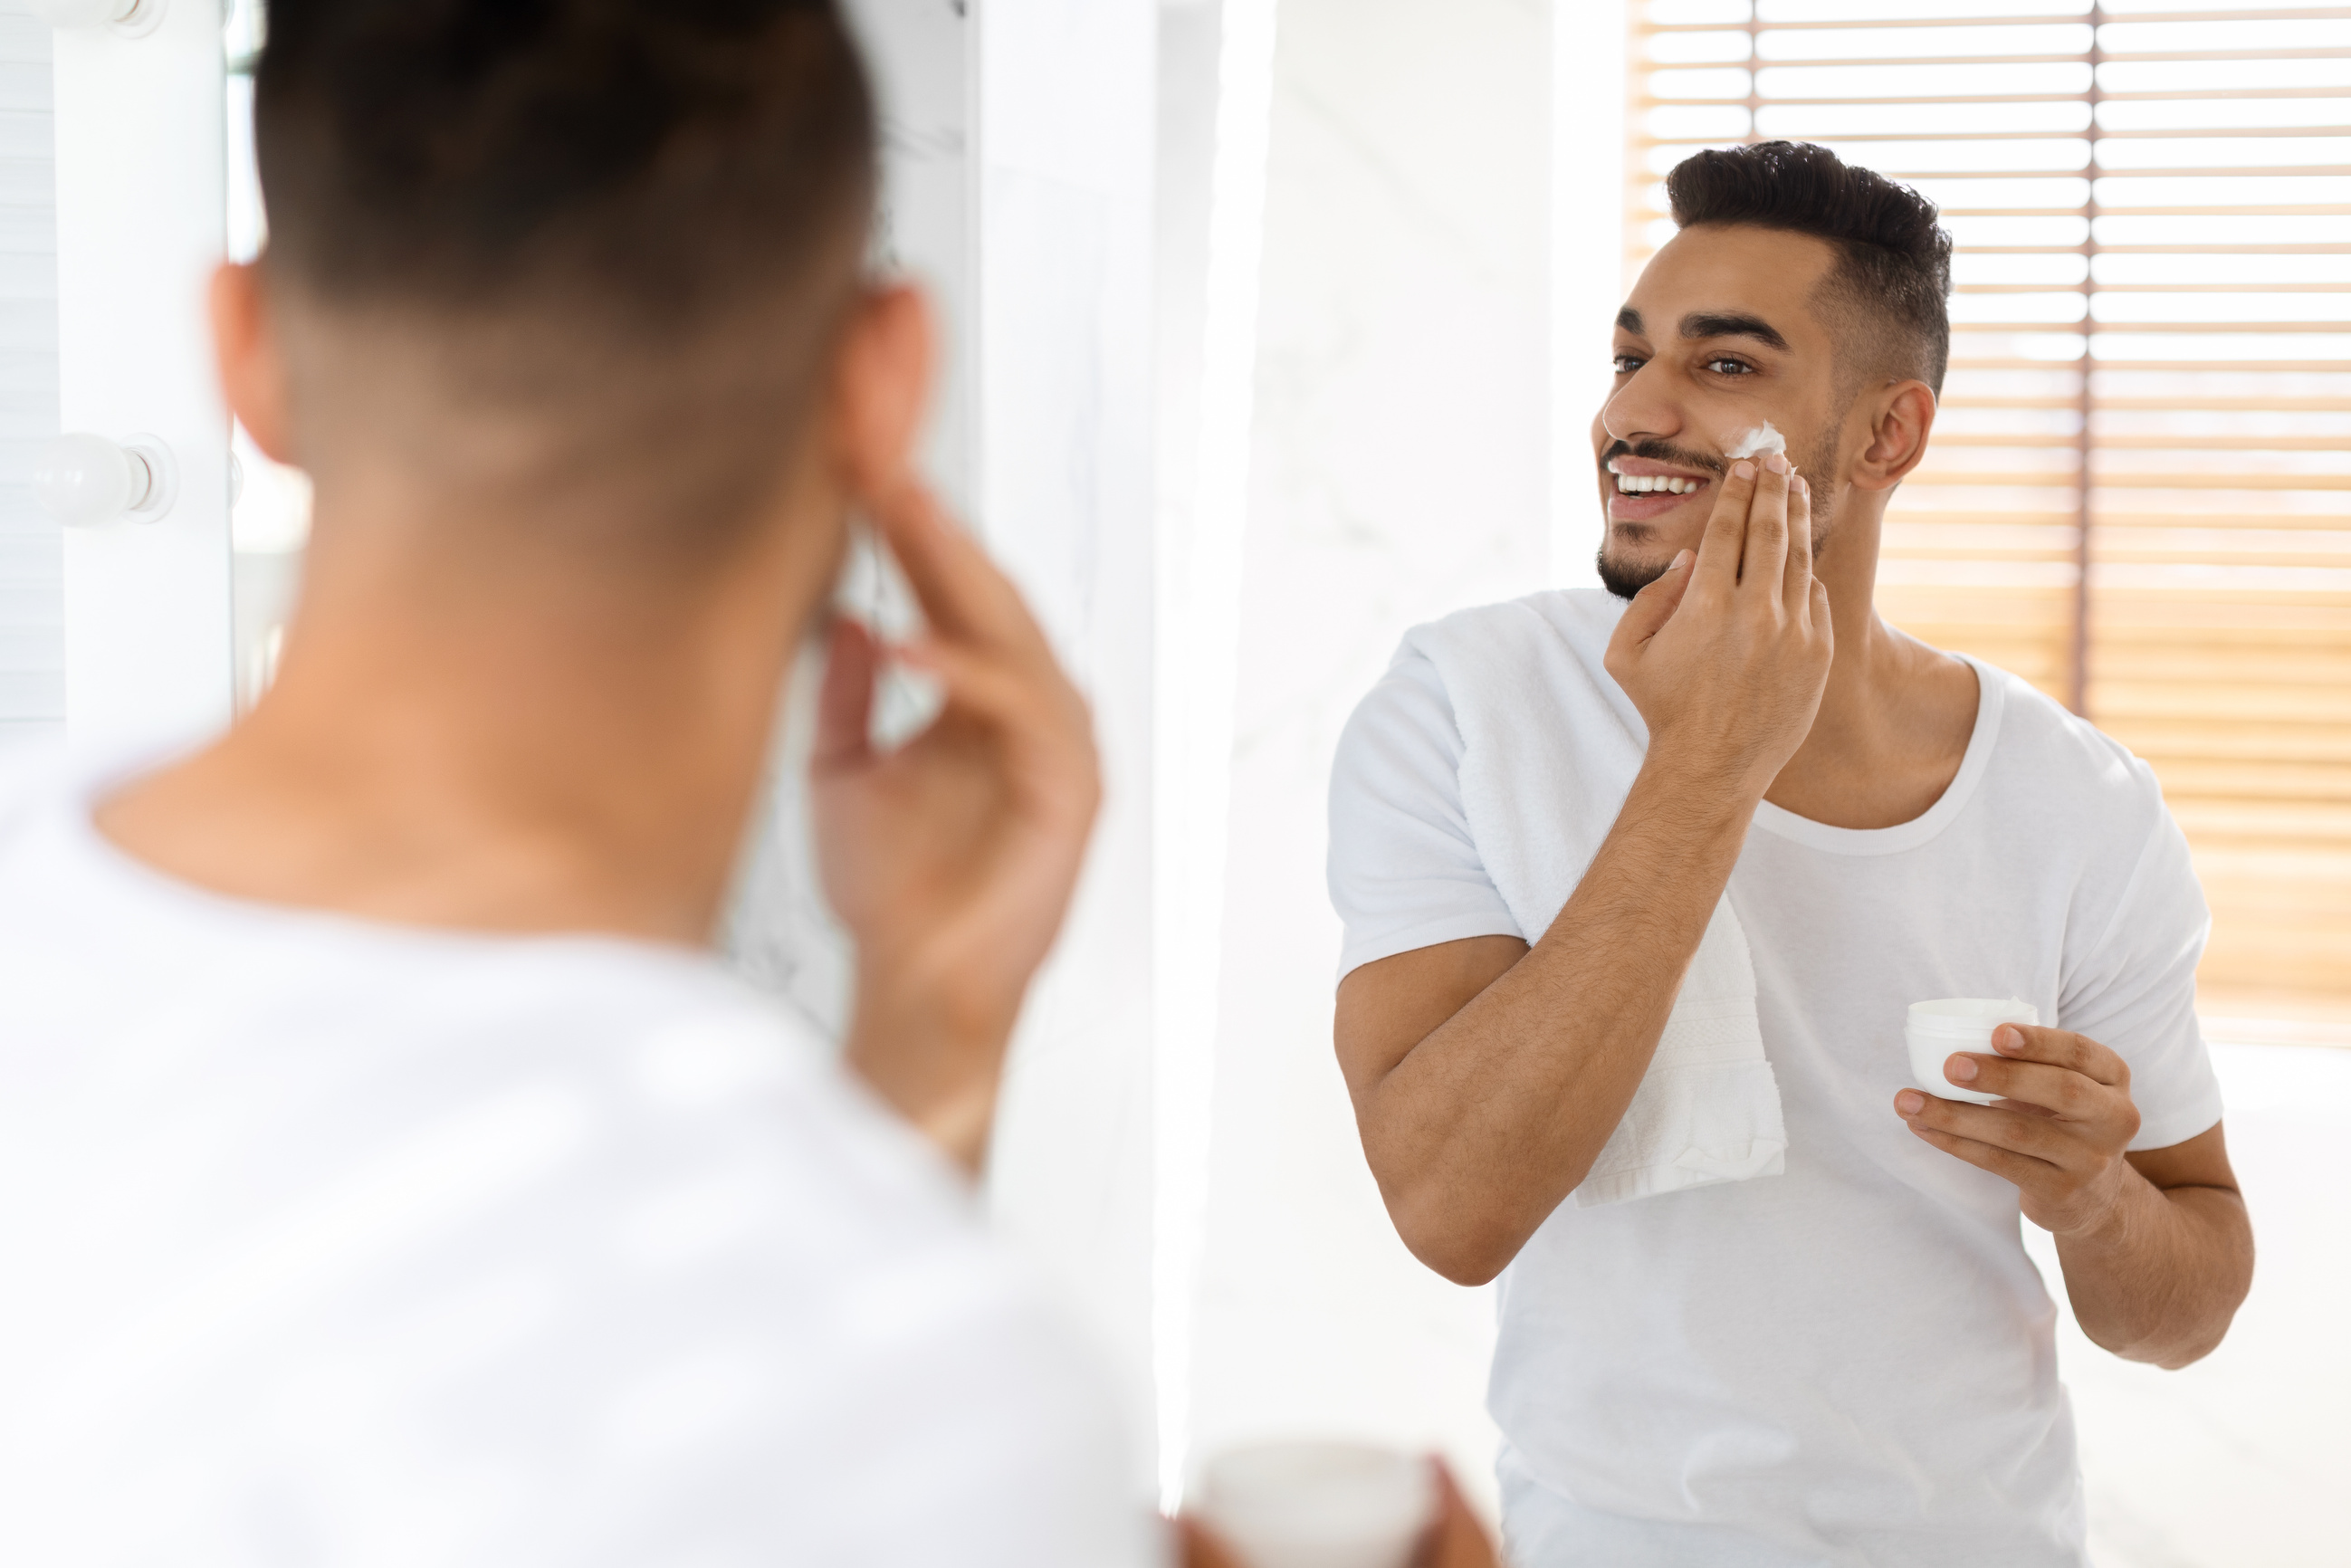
[[392, 1174], [1842, 1354]]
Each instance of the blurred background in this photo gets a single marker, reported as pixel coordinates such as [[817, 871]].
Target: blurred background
[[1277, 327]]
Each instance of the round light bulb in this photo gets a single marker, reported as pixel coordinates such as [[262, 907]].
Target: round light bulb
[[82, 13], [85, 480], [129, 18]]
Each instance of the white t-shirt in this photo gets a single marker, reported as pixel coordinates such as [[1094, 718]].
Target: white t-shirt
[[1853, 1362], [332, 1245]]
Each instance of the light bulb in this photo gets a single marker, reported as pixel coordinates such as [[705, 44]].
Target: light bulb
[[131, 19], [82, 13], [85, 480]]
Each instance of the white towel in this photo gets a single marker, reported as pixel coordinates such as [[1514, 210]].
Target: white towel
[[1551, 745]]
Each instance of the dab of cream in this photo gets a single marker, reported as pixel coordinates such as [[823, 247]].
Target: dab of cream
[[1756, 441]]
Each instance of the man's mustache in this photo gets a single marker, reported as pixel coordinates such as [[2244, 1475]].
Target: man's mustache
[[1663, 452]]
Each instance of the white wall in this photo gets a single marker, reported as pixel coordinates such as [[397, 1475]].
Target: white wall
[[1066, 491], [1400, 469], [32, 556], [141, 180]]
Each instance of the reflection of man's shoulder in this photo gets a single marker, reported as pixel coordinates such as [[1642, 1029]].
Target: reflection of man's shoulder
[[1535, 666], [2070, 766], [1523, 635]]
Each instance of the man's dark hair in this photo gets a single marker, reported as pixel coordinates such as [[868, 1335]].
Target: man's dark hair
[[660, 202], [1887, 298]]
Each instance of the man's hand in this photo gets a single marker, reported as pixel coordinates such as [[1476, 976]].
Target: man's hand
[[2065, 1117], [1726, 655], [1455, 1538], [2156, 1245], [951, 858]]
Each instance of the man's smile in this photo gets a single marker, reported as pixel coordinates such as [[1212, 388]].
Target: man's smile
[[1646, 488]]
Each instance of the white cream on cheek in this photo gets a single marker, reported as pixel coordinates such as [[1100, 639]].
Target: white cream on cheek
[[1755, 443]]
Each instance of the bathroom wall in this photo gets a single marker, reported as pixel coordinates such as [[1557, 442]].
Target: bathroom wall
[[1399, 468], [1065, 489], [32, 569]]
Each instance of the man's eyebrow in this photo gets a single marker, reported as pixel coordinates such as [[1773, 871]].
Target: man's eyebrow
[[1629, 320], [1731, 324]]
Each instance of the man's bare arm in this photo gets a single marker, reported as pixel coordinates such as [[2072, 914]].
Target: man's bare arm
[[1487, 1076], [2163, 1279]]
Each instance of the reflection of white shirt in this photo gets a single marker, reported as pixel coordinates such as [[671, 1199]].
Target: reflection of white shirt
[[332, 1243], [1851, 1364]]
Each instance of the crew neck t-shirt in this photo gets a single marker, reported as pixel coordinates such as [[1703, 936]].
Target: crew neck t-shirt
[[333, 1244], [1853, 1362]]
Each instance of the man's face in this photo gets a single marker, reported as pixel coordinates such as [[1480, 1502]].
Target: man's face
[[1717, 337]]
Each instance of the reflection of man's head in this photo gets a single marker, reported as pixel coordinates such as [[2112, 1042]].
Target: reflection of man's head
[[1801, 293]]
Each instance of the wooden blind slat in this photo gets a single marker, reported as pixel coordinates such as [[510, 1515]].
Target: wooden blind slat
[[2042, 20], [2136, 56], [2167, 95], [2195, 134]]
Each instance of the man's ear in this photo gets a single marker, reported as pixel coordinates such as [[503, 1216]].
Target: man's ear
[[252, 365], [883, 385], [1897, 435]]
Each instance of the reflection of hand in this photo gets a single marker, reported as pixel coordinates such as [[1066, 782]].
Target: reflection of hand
[[951, 858], [1726, 654], [2059, 1130], [1456, 1537], [1201, 1549]]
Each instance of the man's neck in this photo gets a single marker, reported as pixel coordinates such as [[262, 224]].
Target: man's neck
[[1896, 716], [439, 752]]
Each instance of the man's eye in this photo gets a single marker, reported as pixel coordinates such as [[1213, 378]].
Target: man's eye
[[1627, 363], [1730, 367]]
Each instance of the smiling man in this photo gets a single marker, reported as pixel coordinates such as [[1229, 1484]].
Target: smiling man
[[1764, 1303]]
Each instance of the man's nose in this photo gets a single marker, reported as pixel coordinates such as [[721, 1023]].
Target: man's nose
[[1635, 412]]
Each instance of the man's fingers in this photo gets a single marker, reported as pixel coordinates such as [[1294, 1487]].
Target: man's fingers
[[1655, 605], [2022, 1131], [2070, 1094], [963, 594], [1201, 1549], [1796, 579], [1047, 724], [1765, 559], [2062, 1048], [2018, 1169], [1456, 1539], [1726, 528], [982, 685], [845, 709]]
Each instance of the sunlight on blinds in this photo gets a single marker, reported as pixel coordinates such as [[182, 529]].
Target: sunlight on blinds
[[2139, 490]]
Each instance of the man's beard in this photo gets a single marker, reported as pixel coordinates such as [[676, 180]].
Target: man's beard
[[1626, 579]]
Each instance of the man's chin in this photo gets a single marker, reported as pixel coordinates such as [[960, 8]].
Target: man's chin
[[1626, 578]]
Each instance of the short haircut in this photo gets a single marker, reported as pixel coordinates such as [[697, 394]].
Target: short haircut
[[655, 207], [1888, 294]]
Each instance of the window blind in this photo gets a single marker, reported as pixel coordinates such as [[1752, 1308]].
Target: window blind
[[2138, 492]]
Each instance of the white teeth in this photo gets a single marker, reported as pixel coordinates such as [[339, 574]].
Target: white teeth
[[1644, 483]]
